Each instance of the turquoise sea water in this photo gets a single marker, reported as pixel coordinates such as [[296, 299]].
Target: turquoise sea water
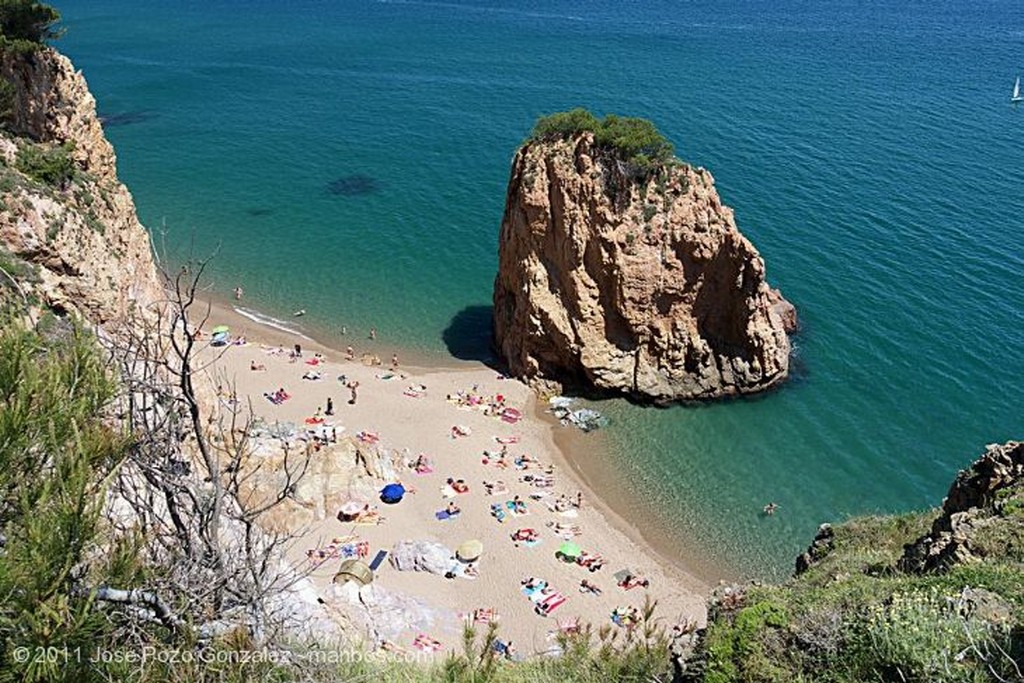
[[869, 149]]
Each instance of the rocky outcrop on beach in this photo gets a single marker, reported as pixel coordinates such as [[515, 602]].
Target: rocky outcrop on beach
[[640, 285], [63, 210]]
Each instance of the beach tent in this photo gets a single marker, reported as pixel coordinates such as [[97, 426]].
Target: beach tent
[[469, 551], [392, 493], [569, 550], [354, 570]]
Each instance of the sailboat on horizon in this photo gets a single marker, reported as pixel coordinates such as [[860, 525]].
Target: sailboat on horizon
[[1016, 92]]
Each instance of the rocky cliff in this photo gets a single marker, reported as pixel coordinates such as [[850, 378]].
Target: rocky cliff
[[933, 596], [62, 208], [639, 285]]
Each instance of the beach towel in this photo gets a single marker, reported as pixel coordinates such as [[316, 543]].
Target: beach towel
[[537, 588], [443, 515], [351, 550], [377, 559], [551, 603], [426, 643], [485, 615]]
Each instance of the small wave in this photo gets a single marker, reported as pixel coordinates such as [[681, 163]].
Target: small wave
[[268, 321]]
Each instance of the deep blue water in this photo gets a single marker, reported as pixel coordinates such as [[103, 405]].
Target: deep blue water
[[350, 158]]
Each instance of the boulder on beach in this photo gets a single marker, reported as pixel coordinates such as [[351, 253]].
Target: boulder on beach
[[421, 556]]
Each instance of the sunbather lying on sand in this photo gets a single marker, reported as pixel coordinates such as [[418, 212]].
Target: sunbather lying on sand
[[566, 531], [525, 536], [495, 488], [587, 587], [257, 367]]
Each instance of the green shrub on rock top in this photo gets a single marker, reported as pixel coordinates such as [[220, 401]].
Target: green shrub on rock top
[[634, 140]]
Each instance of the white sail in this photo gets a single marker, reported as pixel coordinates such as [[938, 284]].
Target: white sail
[[1016, 91]]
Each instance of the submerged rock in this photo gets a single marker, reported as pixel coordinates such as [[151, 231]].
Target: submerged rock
[[638, 284]]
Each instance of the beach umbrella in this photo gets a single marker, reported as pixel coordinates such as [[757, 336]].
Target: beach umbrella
[[354, 570], [392, 493], [221, 329], [352, 508], [569, 550], [469, 551]]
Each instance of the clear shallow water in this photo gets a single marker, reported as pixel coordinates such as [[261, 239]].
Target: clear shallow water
[[869, 150]]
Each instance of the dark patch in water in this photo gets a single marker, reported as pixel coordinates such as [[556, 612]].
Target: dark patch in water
[[353, 185], [259, 211], [127, 118]]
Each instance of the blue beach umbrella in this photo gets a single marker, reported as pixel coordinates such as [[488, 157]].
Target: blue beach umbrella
[[392, 493]]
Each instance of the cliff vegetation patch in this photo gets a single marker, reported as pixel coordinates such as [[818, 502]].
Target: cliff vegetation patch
[[25, 25], [634, 140]]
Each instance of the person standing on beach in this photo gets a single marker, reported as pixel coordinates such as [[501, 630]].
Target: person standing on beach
[[373, 333], [330, 407], [239, 292], [352, 388], [394, 362]]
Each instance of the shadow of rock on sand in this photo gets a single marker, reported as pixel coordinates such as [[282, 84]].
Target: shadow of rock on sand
[[468, 336]]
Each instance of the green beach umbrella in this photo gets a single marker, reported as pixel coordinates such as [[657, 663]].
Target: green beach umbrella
[[569, 550], [221, 328]]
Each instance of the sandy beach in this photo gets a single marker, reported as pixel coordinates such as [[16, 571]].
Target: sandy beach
[[412, 411]]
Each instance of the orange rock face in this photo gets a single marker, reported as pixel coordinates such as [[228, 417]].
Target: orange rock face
[[635, 285], [92, 254]]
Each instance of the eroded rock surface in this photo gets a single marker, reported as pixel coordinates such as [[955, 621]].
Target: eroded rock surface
[[643, 287], [92, 255]]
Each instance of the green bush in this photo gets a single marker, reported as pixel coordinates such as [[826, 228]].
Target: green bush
[[25, 25], [634, 140], [50, 165]]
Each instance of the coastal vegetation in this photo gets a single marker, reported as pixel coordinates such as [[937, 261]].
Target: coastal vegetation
[[635, 141], [857, 613], [25, 25]]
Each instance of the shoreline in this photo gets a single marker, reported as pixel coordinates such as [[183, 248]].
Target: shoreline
[[595, 477], [407, 426]]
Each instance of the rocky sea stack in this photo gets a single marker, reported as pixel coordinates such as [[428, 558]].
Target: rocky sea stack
[[621, 270]]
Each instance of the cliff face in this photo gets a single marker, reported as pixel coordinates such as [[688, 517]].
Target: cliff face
[[81, 232], [641, 287]]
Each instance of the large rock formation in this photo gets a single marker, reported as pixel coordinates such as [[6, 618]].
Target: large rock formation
[[91, 254], [640, 286]]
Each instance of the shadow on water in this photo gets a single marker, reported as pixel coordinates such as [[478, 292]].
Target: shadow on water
[[259, 211], [353, 185], [126, 118], [469, 337]]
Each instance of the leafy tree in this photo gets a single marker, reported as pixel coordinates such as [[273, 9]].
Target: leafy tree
[[25, 24]]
